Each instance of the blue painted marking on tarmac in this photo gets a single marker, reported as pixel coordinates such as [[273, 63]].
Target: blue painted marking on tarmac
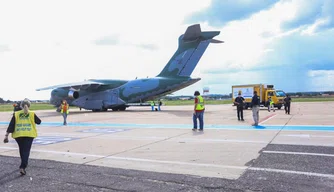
[[47, 140], [184, 126]]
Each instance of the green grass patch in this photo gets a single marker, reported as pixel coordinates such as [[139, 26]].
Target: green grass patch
[[33, 107], [229, 101], [191, 102], [313, 99]]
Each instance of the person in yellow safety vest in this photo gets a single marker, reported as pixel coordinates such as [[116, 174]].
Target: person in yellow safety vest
[[199, 109], [152, 105], [271, 104], [64, 110], [22, 126]]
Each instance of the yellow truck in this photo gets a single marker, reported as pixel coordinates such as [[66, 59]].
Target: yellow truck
[[263, 91]]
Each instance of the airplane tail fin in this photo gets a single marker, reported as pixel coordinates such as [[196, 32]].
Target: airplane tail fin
[[192, 45]]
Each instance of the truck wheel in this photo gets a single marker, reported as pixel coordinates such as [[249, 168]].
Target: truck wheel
[[279, 107]]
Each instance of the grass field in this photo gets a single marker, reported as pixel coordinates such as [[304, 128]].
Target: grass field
[[34, 106], [229, 101], [44, 106]]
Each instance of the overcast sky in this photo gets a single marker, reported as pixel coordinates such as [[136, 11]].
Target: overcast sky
[[286, 43]]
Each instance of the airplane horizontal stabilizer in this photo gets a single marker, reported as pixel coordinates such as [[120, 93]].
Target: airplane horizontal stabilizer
[[216, 41]]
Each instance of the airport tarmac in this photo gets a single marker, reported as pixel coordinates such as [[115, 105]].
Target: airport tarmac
[[143, 150]]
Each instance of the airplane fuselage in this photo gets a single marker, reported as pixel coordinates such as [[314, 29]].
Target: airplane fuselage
[[139, 90]]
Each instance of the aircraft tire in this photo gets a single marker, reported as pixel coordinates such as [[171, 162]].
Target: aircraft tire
[[104, 109]]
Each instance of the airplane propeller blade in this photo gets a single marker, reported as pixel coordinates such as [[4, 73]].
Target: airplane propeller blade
[[216, 41]]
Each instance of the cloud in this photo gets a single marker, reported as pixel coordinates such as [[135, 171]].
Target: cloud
[[108, 40], [4, 48], [260, 50], [113, 40], [148, 46], [299, 50], [221, 12], [60, 46], [322, 80], [314, 15]]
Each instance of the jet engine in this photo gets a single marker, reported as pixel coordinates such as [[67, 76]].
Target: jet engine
[[73, 94]]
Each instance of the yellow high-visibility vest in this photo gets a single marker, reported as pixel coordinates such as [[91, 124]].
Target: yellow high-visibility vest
[[271, 102], [62, 108], [24, 125], [200, 104]]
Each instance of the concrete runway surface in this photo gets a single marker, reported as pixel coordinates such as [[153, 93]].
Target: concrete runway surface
[[143, 150]]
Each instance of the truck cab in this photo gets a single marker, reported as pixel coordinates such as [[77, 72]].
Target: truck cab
[[277, 97]]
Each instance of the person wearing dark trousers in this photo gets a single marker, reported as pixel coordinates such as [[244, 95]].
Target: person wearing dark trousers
[[287, 104], [159, 106], [199, 109], [23, 129], [239, 102]]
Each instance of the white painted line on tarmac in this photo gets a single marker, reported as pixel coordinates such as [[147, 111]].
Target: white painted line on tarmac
[[68, 153], [58, 152], [185, 163], [307, 135], [292, 172], [299, 153], [218, 140], [177, 162]]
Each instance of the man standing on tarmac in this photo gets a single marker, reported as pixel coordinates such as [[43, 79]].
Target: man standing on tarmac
[[287, 103], [198, 111], [256, 108], [239, 101]]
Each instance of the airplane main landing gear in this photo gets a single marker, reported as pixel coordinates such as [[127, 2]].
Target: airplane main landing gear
[[99, 110], [120, 108]]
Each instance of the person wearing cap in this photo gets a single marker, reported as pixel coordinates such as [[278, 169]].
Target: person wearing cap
[[198, 111], [22, 126], [239, 102]]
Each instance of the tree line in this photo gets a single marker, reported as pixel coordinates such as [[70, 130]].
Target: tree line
[[2, 101]]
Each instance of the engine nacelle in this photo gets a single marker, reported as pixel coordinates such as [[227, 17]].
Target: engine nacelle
[[73, 94]]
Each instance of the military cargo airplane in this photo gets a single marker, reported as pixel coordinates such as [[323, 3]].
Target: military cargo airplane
[[104, 94]]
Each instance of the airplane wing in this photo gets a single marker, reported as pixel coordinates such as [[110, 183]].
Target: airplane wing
[[88, 84]]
